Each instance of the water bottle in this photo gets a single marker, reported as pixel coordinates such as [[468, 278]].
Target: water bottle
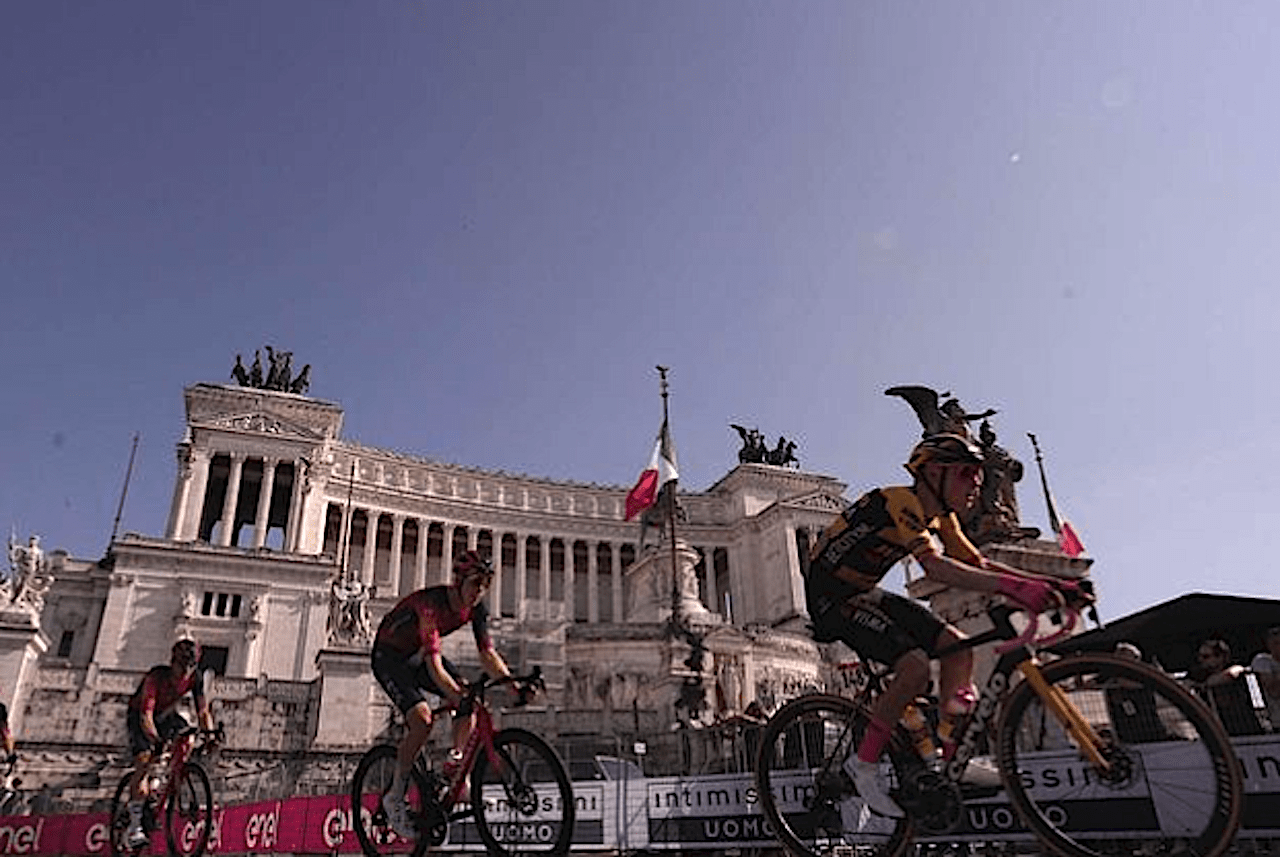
[[921, 735]]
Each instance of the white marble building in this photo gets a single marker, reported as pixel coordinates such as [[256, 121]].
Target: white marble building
[[268, 500]]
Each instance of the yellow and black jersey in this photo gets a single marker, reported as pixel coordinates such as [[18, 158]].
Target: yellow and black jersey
[[862, 544]]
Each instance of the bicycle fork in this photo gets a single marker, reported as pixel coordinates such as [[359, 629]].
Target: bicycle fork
[[1068, 716]]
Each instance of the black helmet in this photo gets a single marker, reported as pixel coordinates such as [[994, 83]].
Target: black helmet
[[943, 449], [470, 564], [186, 652]]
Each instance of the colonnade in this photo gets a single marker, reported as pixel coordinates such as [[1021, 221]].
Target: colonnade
[[218, 493]]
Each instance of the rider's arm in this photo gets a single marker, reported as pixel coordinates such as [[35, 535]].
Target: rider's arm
[[435, 665], [203, 713], [147, 710]]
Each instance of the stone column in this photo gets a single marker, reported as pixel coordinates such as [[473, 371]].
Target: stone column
[[181, 492], [522, 594], [227, 522], [446, 554], [495, 591], [397, 544], [189, 528], [544, 573], [709, 569], [22, 643], [420, 561], [371, 520], [292, 523], [262, 518], [593, 567], [570, 594], [616, 554]]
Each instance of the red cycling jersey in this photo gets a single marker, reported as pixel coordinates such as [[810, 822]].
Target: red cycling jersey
[[415, 626], [162, 688]]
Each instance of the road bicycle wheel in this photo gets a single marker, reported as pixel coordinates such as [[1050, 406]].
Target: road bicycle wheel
[[188, 814], [807, 800], [119, 819], [371, 781], [524, 803], [1172, 779]]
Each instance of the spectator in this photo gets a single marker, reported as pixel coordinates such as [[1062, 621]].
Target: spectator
[[1134, 713], [1266, 666], [1222, 684]]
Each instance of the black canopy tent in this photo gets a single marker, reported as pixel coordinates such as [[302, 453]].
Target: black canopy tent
[[1171, 632]]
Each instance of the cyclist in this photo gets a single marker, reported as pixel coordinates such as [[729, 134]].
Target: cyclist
[[153, 718], [409, 665], [845, 601], [6, 736]]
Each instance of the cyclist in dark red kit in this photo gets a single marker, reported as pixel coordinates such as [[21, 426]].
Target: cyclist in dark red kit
[[153, 718], [408, 663]]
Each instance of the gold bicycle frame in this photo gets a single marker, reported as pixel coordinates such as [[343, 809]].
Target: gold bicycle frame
[[1072, 721]]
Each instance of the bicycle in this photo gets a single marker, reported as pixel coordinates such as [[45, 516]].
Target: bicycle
[[11, 798], [521, 799], [1080, 734], [180, 795]]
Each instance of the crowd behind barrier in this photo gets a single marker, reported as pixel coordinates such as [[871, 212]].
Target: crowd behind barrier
[[625, 813]]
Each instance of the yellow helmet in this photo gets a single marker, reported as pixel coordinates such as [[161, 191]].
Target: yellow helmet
[[943, 449]]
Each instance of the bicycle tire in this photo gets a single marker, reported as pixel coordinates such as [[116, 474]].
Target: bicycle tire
[[525, 804], [188, 813], [1159, 740], [119, 819], [370, 782], [805, 796]]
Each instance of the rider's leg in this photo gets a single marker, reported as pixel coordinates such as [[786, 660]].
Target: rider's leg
[[418, 720], [955, 691], [910, 679]]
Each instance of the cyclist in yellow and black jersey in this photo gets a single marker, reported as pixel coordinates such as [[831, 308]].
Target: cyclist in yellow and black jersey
[[846, 602]]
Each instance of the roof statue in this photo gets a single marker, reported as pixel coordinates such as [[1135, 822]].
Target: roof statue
[[29, 576], [279, 376], [947, 418], [755, 450], [995, 517]]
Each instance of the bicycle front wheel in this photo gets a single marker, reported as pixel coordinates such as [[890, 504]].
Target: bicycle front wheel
[[522, 798], [805, 796], [1171, 779], [372, 780], [188, 814]]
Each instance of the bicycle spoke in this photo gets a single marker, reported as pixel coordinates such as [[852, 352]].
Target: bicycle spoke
[[371, 782], [1169, 777], [525, 799], [804, 793]]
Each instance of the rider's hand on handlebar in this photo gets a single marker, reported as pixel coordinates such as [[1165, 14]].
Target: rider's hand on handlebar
[[1028, 592]]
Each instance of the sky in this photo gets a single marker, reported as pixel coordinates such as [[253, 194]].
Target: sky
[[484, 225]]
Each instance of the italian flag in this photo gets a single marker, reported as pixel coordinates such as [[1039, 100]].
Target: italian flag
[[661, 470]]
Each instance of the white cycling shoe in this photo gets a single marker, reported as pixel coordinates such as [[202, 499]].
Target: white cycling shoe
[[869, 782], [981, 773], [398, 817], [135, 837]]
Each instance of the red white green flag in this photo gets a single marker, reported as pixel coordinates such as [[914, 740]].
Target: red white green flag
[[661, 470]]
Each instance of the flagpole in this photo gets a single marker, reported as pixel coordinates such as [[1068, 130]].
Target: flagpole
[[124, 492], [671, 508], [1054, 523]]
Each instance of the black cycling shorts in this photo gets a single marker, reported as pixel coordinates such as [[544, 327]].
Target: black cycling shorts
[[407, 684], [882, 626], [168, 725]]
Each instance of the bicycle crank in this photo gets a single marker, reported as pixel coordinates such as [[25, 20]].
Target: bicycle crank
[[932, 800]]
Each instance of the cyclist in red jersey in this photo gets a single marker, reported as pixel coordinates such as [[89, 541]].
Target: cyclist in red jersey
[[409, 665], [153, 718]]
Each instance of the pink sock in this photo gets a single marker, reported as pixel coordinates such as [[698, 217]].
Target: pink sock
[[873, 741]]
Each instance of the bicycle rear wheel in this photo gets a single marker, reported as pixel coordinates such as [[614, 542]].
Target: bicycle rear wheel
[[371, 781], [524, 803], [805, 795], [188, 814], [1172, 779]]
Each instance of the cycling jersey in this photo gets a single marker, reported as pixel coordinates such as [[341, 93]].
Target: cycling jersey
[[162, 688], [415, 626], [862, 544]]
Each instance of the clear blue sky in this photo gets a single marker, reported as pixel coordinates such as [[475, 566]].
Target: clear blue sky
[[483, 224]]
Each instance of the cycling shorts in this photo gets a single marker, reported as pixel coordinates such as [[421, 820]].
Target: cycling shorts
[[881, 626], [405, 682], [168, 725]]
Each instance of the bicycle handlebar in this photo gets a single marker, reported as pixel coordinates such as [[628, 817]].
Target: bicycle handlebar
[[1066, 616], [475, 691]]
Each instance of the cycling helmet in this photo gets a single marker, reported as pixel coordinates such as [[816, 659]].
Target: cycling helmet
[[186, 652], [471, 564], [943, 449]]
